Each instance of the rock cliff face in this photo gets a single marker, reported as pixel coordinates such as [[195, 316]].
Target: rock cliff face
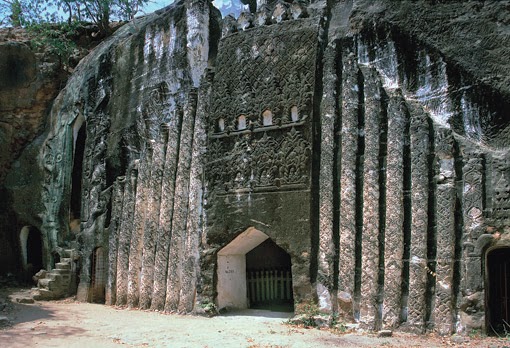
[[29, 82], [371, 152]]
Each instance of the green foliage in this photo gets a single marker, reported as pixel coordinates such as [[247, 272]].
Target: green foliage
[[306, 311], [16, 13], [210, 308], [56, 38], [34, 12]]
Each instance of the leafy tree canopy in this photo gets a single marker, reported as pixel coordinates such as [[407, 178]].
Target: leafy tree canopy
[[55, 24], [25, 13]]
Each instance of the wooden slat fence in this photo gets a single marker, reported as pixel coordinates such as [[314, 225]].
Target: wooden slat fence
[[269, 285]]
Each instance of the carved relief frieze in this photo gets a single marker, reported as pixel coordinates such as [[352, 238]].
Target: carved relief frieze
[[154, 111], [259, 122], [501, 187], [273, 70], [259, 162]]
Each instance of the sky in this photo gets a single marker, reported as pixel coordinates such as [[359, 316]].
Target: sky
[[226, 6]]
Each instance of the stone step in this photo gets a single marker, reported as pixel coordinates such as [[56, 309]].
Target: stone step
[[60, 271], [54, 276], [62, 265], [66, 259], [64, 278], [42, 294], [46, 283], [60, 278]]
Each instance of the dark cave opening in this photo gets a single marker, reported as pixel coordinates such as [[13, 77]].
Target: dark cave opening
[[498, 291], [79, 151], [34, 251], [269, 278]]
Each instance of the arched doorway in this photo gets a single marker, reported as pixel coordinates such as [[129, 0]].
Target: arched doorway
[[31, 250], [269, 277], [98, 275], [498, 291], [253, 272]]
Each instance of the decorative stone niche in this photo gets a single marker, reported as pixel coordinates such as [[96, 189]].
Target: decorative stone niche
[[267, 118], [241, 122], [269, 286], [294, 115], [220, 126]]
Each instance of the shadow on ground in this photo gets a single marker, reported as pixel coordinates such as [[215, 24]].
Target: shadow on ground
[[257, 313]]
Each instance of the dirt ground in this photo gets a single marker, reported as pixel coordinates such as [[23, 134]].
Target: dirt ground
[[71, 324]]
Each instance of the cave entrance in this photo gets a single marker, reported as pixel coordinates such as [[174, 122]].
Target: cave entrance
[[31, 250], [498, 291], [79, 139], [254, 272], [98, 275], [269, 277]]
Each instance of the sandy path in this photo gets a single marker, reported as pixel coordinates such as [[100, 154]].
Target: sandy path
[[70, 324]]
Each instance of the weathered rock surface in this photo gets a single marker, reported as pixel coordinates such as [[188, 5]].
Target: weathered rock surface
[[29, 82], [371, 147]]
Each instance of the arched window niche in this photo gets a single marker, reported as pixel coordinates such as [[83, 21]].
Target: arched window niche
[[220, 125], [267, 118], [241, 122], [294, 115]]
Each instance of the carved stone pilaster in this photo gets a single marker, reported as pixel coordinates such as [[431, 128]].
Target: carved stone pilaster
[[326, 191], [419, 135], [394, 229], [443, 309], [113, 243], [371, 204], [166, 211], [125, 232], [175, 279], [349, 140]]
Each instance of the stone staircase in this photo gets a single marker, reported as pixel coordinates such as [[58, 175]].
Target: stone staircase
[[59, 282]]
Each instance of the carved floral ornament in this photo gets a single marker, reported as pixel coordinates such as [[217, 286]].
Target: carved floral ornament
[[263, 163]]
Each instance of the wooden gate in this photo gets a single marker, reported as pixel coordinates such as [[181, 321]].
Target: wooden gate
[[269, 286], [98, 276], [498, 291]]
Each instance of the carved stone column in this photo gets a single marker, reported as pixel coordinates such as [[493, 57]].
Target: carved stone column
[[113, 229], [152, 219], [194, 220], [419, 135], [166, 211], [394, 229], [371, 207], [445, 227], [326, 188], [180, 211], [349, 140], [474, 226], [136, 245], [125, 231]]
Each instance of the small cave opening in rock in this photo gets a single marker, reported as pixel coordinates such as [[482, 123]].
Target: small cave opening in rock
[[31, 251], [98, 274], [498, 291], [79, 151], [269, 278], [254, 272], [55, 259]]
